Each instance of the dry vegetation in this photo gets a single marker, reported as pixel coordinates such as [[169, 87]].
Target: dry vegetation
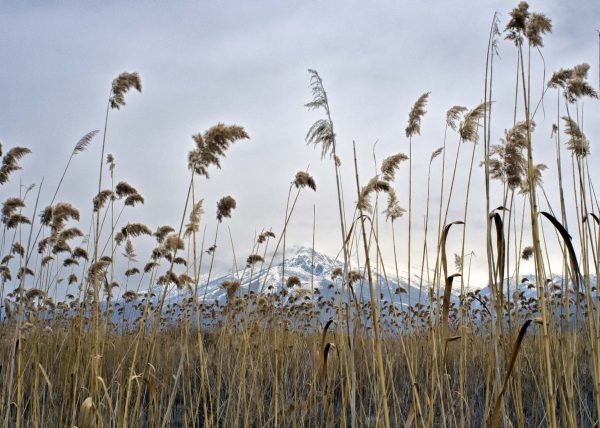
[[114, 354]]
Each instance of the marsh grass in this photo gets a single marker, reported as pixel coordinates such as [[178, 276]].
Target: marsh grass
[[109, 347]]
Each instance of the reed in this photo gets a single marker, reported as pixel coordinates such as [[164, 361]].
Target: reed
[[97, 330]]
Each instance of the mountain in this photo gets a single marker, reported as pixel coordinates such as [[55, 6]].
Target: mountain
[[314, 270]]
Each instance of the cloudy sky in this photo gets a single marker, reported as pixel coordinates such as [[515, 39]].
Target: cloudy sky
[[204, 62]]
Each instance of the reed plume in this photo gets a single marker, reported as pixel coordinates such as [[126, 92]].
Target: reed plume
[[469, 127], [453, 116], [10, 162], [578, 144], [374, 185], [416, 115], [303, 179], [194, 224], [253, 259], [393, 211], [224, 207], [121, 85], [321, 132], [84, 142], [391, 164], [293, 281], [264, 236], [212, 145], [231, 288], [9, 207]]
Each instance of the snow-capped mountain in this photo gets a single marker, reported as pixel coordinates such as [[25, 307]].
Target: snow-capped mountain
[[315, 271]]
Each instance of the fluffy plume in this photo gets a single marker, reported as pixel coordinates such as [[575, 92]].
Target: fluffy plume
[[231, 287], [79, 253], [132, 200], [130, 296], [578, 143], [174, 242], [224, 207], [212, 145], [46, 216], [574, 82], [121, 85], [436, 153], [391, 164], [64, 211], [17, 248], [321, 132], [252, 259], [538, 24], [168, 278], [5, 273], [526, 24], [577, 86], [70, 262], [393, 210], [129, 251], [518, 22], [507, 162], [10, 162], [180, 261], [354, 276], [527, 252], [10, 206], [374, 185], [24, 271], [124, 189], [453, 116], [264, 236], [15, 220], [293, 281], [132, 230], [194, 223], [537, 178], [84, 142], [61, 246], [101, 198], [69, 234], [162, 232], [131, 272], [110, 161], [34, 293], [469, 126], [559, 78], [416, 114], [303, 179], [149, 266]]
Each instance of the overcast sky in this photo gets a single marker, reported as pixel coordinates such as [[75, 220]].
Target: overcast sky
[[204, 62]]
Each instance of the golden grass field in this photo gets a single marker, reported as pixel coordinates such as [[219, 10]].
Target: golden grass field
[[120, 350]]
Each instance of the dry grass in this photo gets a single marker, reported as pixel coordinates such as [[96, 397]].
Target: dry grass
[[108, 352]]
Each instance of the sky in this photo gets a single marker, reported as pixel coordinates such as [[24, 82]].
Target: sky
[[245, 63]]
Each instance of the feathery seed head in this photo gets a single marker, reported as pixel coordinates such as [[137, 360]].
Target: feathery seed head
[[121, 85], [303, 179], [224, 207], [416, 114], [391, 164]]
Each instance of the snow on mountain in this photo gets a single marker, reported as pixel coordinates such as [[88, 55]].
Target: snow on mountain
[[314, 270]]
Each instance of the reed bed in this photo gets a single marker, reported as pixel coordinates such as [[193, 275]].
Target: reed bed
[[95, 334]]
